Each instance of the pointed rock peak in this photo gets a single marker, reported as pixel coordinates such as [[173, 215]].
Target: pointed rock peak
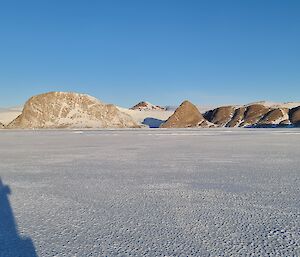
[[146, 106], [186, 115], [187, 106], [186, 102]]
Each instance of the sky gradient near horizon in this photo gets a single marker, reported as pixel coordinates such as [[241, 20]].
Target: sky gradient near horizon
[[163, 51]]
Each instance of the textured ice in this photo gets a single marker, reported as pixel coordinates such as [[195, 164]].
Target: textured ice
[[219, 192]]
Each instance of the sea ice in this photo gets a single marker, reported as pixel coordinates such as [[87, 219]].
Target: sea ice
[[192, 192]]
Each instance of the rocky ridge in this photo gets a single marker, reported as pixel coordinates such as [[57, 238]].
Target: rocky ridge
[[252, 115]]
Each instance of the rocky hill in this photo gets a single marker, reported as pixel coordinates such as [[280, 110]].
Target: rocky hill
[[253, 115], [146, 106], [186, 115], [294, 115], [70, 110]]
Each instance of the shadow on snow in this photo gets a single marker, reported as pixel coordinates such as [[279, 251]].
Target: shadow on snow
[[11, 243], [152, 122]]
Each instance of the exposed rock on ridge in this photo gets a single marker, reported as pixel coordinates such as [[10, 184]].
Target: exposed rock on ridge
[[146, 106], [220, 116], [250, 115], [276, 117], [70, 110]]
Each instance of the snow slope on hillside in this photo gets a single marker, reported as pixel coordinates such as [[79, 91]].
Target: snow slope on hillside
[[140, 116], [9, 114], [288, 105], [220, 192]]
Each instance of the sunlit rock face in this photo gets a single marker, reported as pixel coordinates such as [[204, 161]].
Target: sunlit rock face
[[70, 110], [186, 115]]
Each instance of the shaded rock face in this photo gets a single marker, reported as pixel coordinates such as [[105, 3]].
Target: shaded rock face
[[186, 115], [253, 114], [237, 118], [152, 122], [1, 125], [70, 110], [276, 116], [146, 106], [229, 116], [294, 115], [220, 116]]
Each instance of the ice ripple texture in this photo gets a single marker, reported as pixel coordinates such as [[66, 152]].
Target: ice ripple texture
[[151, 192]]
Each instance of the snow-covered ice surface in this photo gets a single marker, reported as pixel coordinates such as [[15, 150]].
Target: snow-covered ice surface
[[217, 192]]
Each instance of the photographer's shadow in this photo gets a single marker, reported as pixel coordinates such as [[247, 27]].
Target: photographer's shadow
[[11, 243]]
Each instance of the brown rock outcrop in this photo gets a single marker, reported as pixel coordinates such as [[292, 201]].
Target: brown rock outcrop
[[294, 115], [253, 114], [70, 110], [221, 115], [237, 118], [250, 115], [275, 116], [186, 115]]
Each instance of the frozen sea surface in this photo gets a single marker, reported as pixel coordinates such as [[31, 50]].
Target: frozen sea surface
[[215, 192]]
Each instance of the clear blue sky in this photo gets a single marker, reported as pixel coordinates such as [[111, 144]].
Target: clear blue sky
[[163, 51]]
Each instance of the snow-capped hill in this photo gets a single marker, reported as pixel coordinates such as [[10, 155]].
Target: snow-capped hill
[[274, 105], [70, 110], [146, 106]]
